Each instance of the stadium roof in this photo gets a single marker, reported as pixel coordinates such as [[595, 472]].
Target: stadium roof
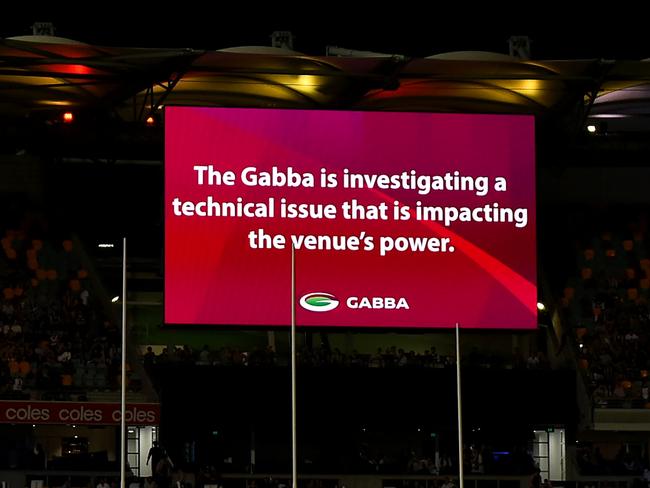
[[49, 74]]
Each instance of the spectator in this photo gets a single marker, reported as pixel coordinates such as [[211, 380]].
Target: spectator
[[103, 483], [149, 357], [448, 483], [155, 455]]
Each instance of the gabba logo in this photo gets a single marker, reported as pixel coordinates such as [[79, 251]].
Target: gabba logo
[[319, 302]]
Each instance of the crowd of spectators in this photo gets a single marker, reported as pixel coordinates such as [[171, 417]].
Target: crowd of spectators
[[390, 357], [396, 459], [54, 340], [607, 310], [592, 462], [478, 459]]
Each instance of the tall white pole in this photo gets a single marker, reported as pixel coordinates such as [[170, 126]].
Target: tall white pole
[[123, 399], [461, 479], [294, 456]]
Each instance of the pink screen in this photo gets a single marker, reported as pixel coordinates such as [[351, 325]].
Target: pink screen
[[398, 219]]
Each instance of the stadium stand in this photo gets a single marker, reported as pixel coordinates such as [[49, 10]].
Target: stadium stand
[[607, 308], [382, 411]]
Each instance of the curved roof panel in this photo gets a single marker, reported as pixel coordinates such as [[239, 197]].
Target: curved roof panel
[[46, 74]]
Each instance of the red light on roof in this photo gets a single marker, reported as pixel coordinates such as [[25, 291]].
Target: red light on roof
[[68, 69], [68, 117]]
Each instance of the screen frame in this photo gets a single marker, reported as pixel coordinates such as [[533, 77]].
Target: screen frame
[[227, 327]]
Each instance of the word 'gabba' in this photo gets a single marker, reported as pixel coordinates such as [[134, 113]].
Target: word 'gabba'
[[384, 303], [249, 176]]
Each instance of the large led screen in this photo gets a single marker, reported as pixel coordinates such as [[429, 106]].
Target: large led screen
[[413, 220]]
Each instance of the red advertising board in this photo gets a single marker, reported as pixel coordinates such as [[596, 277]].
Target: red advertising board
[[80, 413], [412, 220]]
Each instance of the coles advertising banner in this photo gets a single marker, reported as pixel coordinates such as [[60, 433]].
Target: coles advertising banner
[[412, 220], [80, 413]]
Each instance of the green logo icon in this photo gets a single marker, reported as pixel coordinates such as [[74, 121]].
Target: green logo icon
[[319, 302]]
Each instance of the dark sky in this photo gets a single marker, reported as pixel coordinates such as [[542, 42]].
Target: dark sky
[[402, 29]]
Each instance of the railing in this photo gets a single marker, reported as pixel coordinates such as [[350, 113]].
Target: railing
[[620, 403], [54, 479], [88, 479], [369, 481], [413, 481], [598, 482]]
